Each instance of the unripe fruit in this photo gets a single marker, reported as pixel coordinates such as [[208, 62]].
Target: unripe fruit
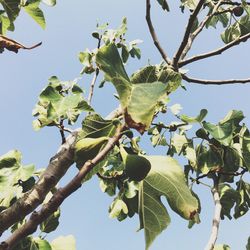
[[238, 11], [137, 167], [87, 148]]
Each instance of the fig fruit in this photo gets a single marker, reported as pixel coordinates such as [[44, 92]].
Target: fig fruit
[[87, 148], [137, 167], [238, 10]]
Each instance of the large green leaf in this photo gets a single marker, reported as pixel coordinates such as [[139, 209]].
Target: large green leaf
[[221, 132], [40, 244], [144, 99], [11, 7], [32, 8], [165, 178], [64, 243], [139, 100], [110, 62]]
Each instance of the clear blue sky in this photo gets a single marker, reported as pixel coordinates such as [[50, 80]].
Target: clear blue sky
[[69, 27]]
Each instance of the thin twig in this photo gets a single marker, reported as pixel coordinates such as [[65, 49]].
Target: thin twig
[[215, 52], [214, 82], [216, 219], [187, 33], [198, 30], [233, 3], [153, 33], [92, 85], [62, 131], [47, 209]]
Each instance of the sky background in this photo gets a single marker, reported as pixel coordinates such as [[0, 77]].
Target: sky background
[[69, 28]]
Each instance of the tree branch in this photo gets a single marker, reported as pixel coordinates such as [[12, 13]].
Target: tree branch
[[153, 33], [215, 52], [56, 169], [216, 219], [47, 209], [193, 35], [214, 82], [92, 85], [187, 33]]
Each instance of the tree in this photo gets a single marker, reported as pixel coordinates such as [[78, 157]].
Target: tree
[[217, 154]]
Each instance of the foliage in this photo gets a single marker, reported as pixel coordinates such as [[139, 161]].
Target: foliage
[[217, 152]]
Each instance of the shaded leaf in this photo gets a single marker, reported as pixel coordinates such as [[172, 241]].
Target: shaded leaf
[[163, 4], [51, 223], [11, 7]]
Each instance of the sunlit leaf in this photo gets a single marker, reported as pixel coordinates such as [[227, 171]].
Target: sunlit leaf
[[64, 243], [166, 178]]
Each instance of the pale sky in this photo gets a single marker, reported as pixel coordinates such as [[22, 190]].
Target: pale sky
[[69, 28]]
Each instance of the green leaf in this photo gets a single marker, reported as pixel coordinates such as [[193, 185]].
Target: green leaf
[[243, 205], [163, 4], [222, 247], [209, 160], [234, 116], [179, 141], [232, 33], [64, 243], [231, 160], [245, 144], [221, 132], [49, 2], [12, 8], [228, 198], [117, 207], [40, 244], [51, 223], [166, 178], [146, 74], [109, 61], [198, 118], [32, 8], [248, 244]]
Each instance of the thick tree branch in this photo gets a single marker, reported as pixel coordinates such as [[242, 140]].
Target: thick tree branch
[[216, 219], [187, 33], [214, 82], [153, 33], [215, 52], [56, 169], [58, 198]]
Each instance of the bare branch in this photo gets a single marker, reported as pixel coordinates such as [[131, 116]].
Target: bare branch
[[214, 82], [193, 35], [187, 33], [215, 52], [216, 219], [58, 198], [153, 33]]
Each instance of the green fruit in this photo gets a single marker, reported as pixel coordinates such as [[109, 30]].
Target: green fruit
[[87, 148], [238, 11], [201, 133], [137, 167]]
